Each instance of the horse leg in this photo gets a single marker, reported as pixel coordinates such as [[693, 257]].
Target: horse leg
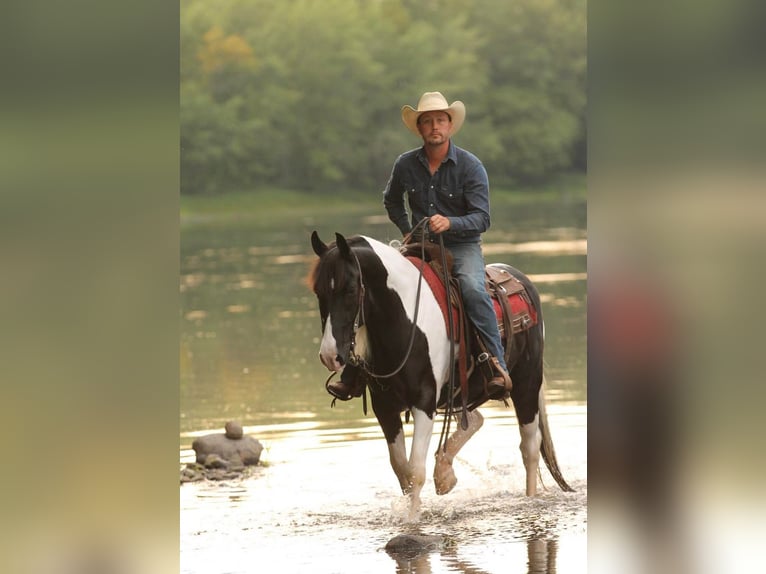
[[444, 475], [397, 455], [411, 473], [421, 437], [530, 452], [391, 424]]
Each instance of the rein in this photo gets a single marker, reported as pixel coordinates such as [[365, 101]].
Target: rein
[[450, 409]]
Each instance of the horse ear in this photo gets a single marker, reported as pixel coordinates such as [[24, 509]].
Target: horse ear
[[319, 247], [345, 250]]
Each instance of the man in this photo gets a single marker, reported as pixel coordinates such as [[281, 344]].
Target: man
[[449, 185]]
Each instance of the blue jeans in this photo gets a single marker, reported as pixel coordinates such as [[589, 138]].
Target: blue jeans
[[469, 269]]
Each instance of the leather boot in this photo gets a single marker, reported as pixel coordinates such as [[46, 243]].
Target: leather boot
[[500, 385], [349, 385]]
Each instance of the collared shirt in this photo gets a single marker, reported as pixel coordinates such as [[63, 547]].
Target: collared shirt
[[459, 190]]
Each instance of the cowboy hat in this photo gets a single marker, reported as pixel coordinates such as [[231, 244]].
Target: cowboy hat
[[434, 102]]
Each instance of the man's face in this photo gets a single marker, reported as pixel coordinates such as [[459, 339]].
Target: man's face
[[434, 127]]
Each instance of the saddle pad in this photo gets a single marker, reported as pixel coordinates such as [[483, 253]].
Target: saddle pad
[[524, 314], [437, 288]]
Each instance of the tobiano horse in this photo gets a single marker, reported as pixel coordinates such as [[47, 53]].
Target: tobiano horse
[[378, 312]]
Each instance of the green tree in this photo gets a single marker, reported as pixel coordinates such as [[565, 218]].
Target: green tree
[[307, 93], [533, 115]]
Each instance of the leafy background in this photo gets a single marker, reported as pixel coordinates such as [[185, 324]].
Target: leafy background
[[307, 94]]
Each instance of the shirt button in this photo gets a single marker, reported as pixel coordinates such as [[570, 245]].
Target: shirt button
[[432, 205]]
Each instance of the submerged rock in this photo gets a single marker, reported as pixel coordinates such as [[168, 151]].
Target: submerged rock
[[214, 461], [413, 544], [192, 472]]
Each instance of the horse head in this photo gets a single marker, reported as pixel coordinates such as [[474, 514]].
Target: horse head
[[337, 284]]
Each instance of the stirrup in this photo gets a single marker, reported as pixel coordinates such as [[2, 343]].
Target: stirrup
[[499, 385], [497, 390], [502, 373]]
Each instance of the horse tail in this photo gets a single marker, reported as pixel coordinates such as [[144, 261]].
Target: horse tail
[[546, 446]]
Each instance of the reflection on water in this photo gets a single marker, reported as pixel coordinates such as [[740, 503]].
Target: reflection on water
[[250, 326], [541, 559], [324, 504], [326, 499], [559, 247]]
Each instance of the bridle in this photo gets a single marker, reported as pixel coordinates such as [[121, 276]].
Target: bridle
[[353, 358]]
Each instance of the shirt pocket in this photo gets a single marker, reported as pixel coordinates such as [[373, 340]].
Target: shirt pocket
[[416, 192], [452, 196]]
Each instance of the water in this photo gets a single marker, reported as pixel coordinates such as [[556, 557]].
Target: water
[[326, 499]]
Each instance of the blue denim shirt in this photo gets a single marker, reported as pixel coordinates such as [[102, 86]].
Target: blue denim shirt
[[458, 190]]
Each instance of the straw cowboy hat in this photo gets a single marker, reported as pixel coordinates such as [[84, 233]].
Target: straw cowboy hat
[[433, 102]]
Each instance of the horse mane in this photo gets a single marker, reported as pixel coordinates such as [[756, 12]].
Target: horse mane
[[311, 277]]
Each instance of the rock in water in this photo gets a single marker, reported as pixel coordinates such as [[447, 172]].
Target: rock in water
[[232, 447], [413, 544], [233, 430], [215, 461]]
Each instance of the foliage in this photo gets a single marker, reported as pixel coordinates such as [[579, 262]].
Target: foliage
[[306, 94]]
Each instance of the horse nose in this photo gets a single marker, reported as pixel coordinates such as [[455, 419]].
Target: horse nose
[[331, 363]]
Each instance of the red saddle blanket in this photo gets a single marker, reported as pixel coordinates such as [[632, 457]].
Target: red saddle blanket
[[437, 288], [520, 308], [524, 315]]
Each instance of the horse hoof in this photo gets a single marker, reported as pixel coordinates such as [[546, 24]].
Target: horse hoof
[[445, 481], [446, 486]]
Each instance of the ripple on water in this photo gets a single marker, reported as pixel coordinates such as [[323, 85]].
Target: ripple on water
[[334, 506]]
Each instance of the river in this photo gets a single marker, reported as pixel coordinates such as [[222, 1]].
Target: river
[[325, 499]]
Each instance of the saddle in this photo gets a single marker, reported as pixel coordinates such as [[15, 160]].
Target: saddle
[[513, 309], [513, 306]]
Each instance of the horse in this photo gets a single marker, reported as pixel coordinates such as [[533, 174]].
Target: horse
[[376, 312]]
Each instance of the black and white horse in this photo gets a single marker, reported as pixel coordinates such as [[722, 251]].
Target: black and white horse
[[367, 294]]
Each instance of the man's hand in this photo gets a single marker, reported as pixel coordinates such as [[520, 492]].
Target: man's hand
[[438, 223]]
